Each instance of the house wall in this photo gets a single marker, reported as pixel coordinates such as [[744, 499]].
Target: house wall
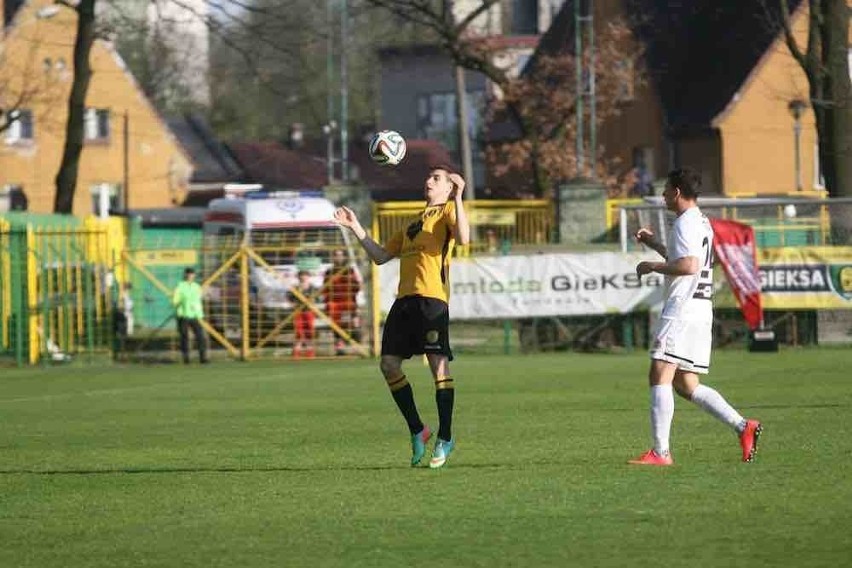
[[758, 144], [639, 125], [36, 56], [640, 122], [408, 78], [702, 153]]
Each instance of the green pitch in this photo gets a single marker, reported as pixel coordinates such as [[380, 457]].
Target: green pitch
[[306, 464]]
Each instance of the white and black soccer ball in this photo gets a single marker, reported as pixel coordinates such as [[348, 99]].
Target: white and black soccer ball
[[387, 148]]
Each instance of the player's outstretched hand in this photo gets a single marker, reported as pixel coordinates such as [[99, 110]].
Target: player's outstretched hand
[[346, 217], [645, 235]]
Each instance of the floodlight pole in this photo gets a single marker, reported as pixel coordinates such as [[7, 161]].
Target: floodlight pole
[[593, 127], [578, 64], [344, 91], [329, 70]]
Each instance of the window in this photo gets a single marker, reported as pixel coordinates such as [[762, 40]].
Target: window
[[106, 195], [13, 198], [96, 124], [521, 62], [436, 117], [437, 120], [819, 175], [21, 127], [524, 17]]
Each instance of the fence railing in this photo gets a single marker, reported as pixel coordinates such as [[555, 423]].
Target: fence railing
[[57, 289], [777, 222], [498, 224]]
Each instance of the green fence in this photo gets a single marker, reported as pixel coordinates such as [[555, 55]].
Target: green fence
[[164, 252], [57, 289]]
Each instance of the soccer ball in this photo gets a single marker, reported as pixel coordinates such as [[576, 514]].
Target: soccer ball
[[387, 148]]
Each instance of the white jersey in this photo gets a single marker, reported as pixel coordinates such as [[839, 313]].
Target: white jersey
[[688, 297]]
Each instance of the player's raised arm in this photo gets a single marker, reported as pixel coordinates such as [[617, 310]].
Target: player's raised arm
[[462, 226], [345, 217]]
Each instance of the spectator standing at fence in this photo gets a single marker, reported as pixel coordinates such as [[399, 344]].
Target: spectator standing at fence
[[683, 338], [303, 317], [341, 288], [126, 304], [190, 311], [418, 321]]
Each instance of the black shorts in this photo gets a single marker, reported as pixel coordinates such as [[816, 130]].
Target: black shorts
[[417, 325]]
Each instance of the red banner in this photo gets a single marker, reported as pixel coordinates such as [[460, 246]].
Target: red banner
[[734, 246]]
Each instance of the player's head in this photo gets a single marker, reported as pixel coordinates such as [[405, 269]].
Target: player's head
[[189, 274], [438, 186], [682, 187], [338, 257]]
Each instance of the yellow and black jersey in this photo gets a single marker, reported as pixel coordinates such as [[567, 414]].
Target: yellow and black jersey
[[424, 249]]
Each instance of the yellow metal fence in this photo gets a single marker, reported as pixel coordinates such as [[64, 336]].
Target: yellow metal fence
[[497, 224], [268, 295]]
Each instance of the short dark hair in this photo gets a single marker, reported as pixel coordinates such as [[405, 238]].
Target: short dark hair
[[449, 168], [688, 181], [188, 270]]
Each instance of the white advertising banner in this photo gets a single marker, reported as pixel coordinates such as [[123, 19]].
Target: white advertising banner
[[541, 285]]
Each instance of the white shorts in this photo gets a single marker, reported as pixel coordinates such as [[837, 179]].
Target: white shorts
[[685, 342]]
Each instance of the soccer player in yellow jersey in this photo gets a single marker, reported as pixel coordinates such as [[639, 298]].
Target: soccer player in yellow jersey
[[418, 321]]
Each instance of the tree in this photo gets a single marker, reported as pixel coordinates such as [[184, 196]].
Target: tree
[[277, 63], [542, 104], [66, 177], [156, 52], [825, 61], [544, 100]]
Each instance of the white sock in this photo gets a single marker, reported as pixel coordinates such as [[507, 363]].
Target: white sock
[[710, 400], [662, 413]]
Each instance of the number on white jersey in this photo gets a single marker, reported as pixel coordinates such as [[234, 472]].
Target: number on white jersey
[[704, 290]]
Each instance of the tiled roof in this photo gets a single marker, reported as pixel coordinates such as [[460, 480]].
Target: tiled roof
[[211, 160], [698, 53], [279, 167], [405, 181]]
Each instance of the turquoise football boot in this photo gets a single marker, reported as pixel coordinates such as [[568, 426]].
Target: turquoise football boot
[[418, 445], [443, 449]]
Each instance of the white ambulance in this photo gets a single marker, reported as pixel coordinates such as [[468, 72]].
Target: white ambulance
[[290, 230]]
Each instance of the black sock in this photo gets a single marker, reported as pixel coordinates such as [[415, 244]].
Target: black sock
[[444, 399], [404, 398]]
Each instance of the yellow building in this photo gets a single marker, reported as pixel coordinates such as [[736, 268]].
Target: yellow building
[[129, 153], [718, 83]]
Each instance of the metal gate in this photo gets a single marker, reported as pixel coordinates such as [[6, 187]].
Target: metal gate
[[57, 292], [254, 304]]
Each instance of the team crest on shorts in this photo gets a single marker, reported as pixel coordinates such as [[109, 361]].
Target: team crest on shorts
[[432, 336]]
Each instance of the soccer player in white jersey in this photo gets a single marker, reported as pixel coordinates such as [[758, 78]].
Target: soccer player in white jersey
[[683, 338]]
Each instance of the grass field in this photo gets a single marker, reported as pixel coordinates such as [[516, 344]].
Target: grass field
[[305, 464]]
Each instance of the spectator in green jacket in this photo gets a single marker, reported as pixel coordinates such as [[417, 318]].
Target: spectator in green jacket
[[190, 312]]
